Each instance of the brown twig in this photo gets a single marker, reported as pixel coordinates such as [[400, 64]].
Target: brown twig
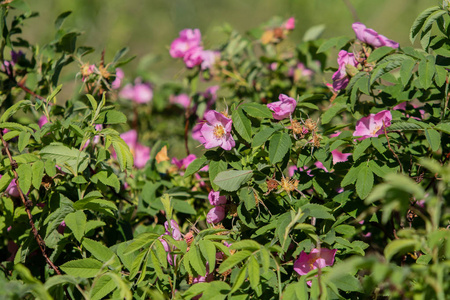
[[352, 10], [390, 148], [27, 204], [27, 90]]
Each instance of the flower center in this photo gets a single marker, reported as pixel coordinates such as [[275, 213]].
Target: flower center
[[219, 131], [311, 262], [375, 130]]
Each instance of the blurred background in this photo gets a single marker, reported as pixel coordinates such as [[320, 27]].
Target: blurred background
[[148, 27]]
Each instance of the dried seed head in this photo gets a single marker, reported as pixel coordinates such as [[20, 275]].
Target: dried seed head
[[310, 125], [298, 128], [104, 72], [316, 140], [289, 184], [189, 237], [272, 184]]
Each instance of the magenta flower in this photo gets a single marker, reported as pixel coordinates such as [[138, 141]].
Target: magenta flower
[[290, 24], [189, 38], [140, 152], [215, 198], [193, 57], [217, 131], [61, 227], [314, 260], [209, 58], [284, 108], [197, 133], [373, 125], [139, 92], [176, 234], [12, 189], [215, 215], [300, 72], [402, 106], [371, 37], [182, 99], [339, 156], [96, 138], [42, 121], [118, 80], [341, 78]]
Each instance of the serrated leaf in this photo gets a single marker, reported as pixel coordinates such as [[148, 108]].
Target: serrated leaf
[[317, 211], [195, 166], [139, 242], [337, 42], [406, 70], [262, 136], [364, 182], [232, 180], [208, 251], [124, 156], [399, 247], [379, 53], [215, 167], [257, 110], [102, 287], [433, 138], [71, 160], [253, 272], [361, 148], [38, 172], [13, 109], [419, 21], [242, 124], [337, 107], [245, 244], [382, 69], [240, 278], [233, 260], [351, 176], [84, 268], [426, 73], [5, 181], [196, 262], [111, 117], [25, 172], [279, 145], [404, 126], [76, 221], [444, 127], [100, 251], [160, 253], [24, 139]]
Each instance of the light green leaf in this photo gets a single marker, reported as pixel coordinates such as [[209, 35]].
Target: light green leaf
[[245, 244], [24, 139], [233, 260], [433, 138], [262, 136], [337, 42], [25, 172], [279, 145], [232, 180], [215, 167], [38, 172], [361, 148], [242, 124], [101, 252], [420, 20], [240, 278], [399, 247], [406, 70], [208, 251], [253, 272], [426, 72], [76, 221], [84, 268], [379, 53], [71, 160], [257, 110], [195, 166], [102, 287]]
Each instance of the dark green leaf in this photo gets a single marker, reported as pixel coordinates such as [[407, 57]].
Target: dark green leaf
[[280, 144]]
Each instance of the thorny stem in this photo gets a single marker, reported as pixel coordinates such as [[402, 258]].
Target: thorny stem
[[27, 205], [390, 148]]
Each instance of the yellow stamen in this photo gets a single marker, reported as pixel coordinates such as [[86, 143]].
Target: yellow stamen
[[219, 131]]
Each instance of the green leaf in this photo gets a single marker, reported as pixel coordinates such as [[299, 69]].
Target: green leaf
[[160, 253], [71, 160], [54, 92], [317, 211], [38, 172], [351, 176], [420, 20], [196, 262], [242, 124], [195, 289], [406, 70], [24, 139], [100, 252], [183, 207], [379, 53], [93, 102], [257, 110], [208, 251], [50, 167], [253, 272], [231, 180], [313, 33], [364, 183], [433, 138], [432, 19], [60, 19], [111, 117], [95, 204], [382, 69], [77, 223], [107, 179], [195, 166], [25, 172], [215, 167], [245, 244], [337, 106], [444, 127], [240, 278], [156, 266], [13, 109], [440, 76], [124, 156], [5, 181], [84, 268], [426, 72], [233, 260], [404, 126], [139, 242], [337, 42], [102, 287], [279, 145], [262, 136], [361, 148], [399, 247]]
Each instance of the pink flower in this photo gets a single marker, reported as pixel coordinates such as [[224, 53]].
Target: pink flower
[[139, 92], [188, 39], [182, 99], [371, 37], [341, 78], [176, 234], [140, 152], [300, 72], [402, 106], [196, 132], [182, 164], [215, 198], [209, 58], [284, 108], [290, 24], [215, 215], [339, 156], [193, 57], [314, 260], [118, 80], [372, 125], [320, 165], [61, 227], [217, 131], [12, 189], [96, 138], [42, 121]]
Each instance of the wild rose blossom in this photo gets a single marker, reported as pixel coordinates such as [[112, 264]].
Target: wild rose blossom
[[42, 121], [215, 198], [140, 152], [371, 37], [284, 108], [314, 260], [217, 131], [290, 24], [339, 156], [193, 57], [175, 233], [340, 77], [182, 99], [372, 125], [209, 58], [118, 80], [139, 92], [189, 38], [215, 215]]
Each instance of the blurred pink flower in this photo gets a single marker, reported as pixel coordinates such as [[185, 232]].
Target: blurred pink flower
[[140, 152], [340, 77], [284, 108], [182, 99], [176, 234], [193, 57], [217, 131], [209, 58], [402, 106], [290, 24], [215, 215], [371, 37], [339, 156], [372, 125], [189, 38], [300, 72], [215, 198], [118, 80], [139, 92], [42, 121], [337, 133], [314, 260], [96, 139], [12, 189]]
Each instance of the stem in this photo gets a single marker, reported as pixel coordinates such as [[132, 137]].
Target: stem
[[352, 10], [390, 148]]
